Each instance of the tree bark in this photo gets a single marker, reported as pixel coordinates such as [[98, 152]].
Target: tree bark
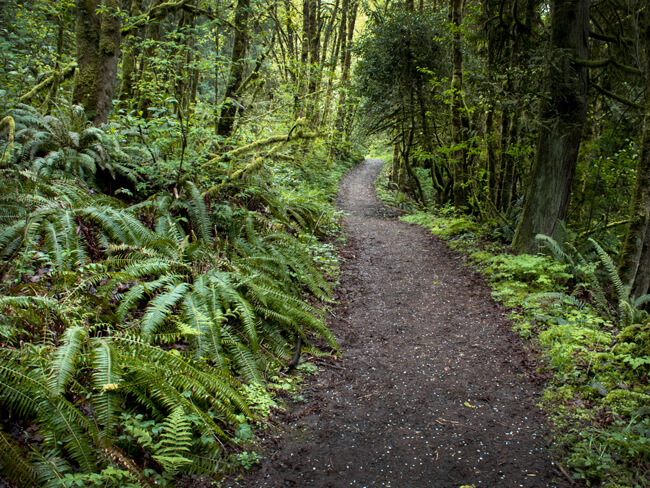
[[461, 193], [634, 268], [334, 58], [562, 118], [237, 68], [97, 45], [152, 34], [128, 59], [346, 58]]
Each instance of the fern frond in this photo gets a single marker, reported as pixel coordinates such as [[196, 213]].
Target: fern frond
[[208, 322], [161, 306], [69, 427], [19, 389], [556, 251], [39, 304], [224, 286], [52, 468], [204, 464], [120, 226], [215, 383], [621, 292], [626, 312], [175, 442], [106, 381], [14, 464], [642, 300], [198, 212], [242, 356], [66, 356]]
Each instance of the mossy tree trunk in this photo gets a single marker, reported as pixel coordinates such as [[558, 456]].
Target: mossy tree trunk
[[237, 70], [332, 65], [146, 76], [129, 55], [562, 116], [97, 50], [634, 266], [324, 64], [461, 193], [348, 22]]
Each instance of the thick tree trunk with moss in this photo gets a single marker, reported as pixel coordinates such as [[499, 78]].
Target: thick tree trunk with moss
[[346, 57], [315, 67], [97, 46], [128, 58], [634, 267], [562, 118], [146, 76], [332, 65], [460, 154], [237, 69]]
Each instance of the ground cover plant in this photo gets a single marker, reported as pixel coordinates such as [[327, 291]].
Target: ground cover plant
[[167, 232], [144, 329]]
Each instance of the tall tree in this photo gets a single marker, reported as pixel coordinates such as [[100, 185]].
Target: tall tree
[[129, 58], [457, 106], [237, 69], [97, 47], [346, 58], [635, 258], [561, 120]]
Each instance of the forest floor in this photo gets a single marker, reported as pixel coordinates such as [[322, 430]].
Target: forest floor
[[433, 388]]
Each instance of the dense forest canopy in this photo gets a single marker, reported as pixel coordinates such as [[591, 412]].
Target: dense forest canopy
[[168, 172]]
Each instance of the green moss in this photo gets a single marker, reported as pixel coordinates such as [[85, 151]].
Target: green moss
[[443, 225], [563, 403], [626, 402], [480, 257]]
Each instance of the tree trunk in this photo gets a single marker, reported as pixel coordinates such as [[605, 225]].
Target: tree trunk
[[562, 118], [334, 57], [460, 154], [314, 59], [346, 57], [239, 48], [97, 45], [329, 28], [152, 35], [128, 58], [634, 267]]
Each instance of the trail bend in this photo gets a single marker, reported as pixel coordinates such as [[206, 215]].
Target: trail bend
[[433, 389]]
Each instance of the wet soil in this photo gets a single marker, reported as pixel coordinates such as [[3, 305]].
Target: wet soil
[[433, 388]]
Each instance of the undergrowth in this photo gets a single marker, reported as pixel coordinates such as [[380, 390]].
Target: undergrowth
[[145, 328], [592, 339]]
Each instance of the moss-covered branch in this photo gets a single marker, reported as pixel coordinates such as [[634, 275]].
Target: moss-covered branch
[[616, 97], [258, 162], [8, 151], [248, 148], [618, 40], [161, 11], [47, 82], [601, 63]]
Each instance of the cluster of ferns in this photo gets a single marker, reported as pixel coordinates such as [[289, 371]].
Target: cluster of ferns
[[115, 317]]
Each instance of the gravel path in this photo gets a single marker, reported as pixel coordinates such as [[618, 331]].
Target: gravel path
[[432, 390]]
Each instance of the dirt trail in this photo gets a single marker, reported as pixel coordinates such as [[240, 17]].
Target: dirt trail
[[432, 390]]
